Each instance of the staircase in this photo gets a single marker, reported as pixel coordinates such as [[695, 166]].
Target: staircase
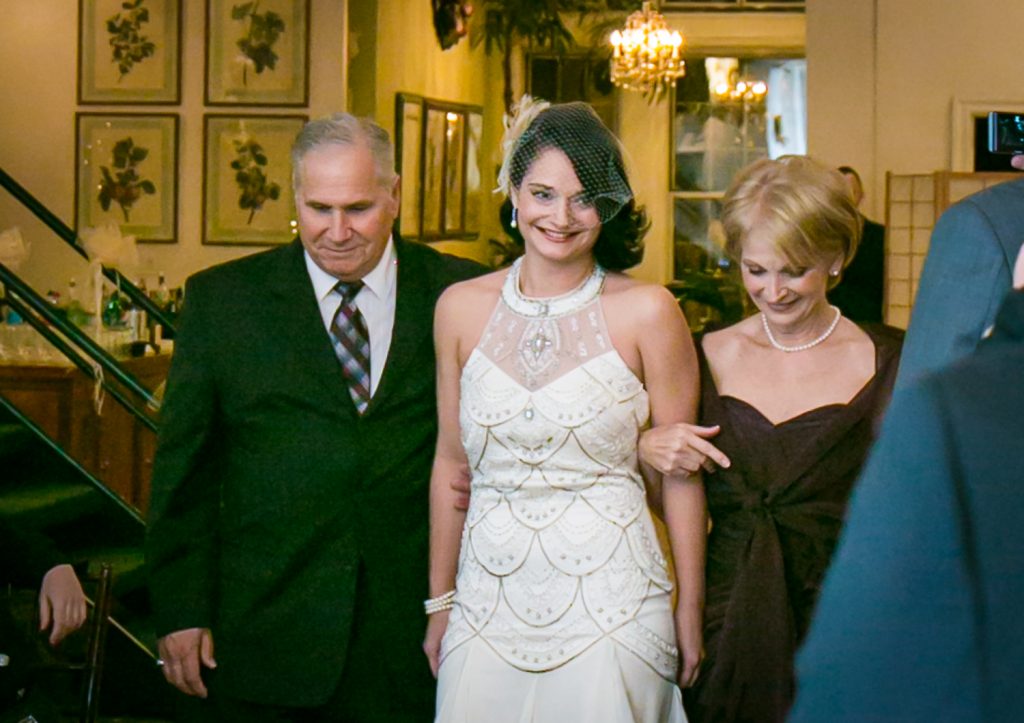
[[44, 488]]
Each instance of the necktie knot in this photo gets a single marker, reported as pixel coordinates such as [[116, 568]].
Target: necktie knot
[[348, 290]]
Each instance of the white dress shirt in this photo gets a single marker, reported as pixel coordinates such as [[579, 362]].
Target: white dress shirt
[[376, 301]]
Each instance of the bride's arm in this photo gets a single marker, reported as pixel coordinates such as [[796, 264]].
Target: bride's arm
[[446, 514], [672, 380]]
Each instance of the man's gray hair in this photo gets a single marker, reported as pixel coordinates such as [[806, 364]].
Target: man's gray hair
[[345, 129]]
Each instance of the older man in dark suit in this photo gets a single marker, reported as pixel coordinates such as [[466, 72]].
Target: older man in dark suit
[[919, 617], [288, 533]]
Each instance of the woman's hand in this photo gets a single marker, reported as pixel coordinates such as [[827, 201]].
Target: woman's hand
[[690, 639], [61, 603], [461, 485], [681, 449], [436, 625]]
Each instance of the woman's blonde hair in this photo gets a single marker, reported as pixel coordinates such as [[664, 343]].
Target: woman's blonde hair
[[804, 206]]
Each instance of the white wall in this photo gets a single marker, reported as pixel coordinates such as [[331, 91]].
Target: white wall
[[841, 87], [38, 45], [410, 60], [883, 75]]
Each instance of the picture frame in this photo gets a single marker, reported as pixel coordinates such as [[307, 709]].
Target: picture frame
[[433, 172], [247, 183], [126, 171], [455, 172], [474, 188], [966, 115], [409, 144], [438, 156], [129, 55], [257, 53]]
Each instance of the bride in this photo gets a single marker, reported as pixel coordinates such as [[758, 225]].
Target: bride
[[552, 600]]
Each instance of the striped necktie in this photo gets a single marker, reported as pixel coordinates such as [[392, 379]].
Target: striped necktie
[[351, 341]]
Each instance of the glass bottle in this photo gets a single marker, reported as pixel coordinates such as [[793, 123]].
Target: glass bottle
[[77, 314], [162, 295], [136, 317], [114, 311]]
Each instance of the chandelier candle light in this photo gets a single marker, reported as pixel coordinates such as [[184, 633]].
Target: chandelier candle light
[[744, 91], [647, 56]]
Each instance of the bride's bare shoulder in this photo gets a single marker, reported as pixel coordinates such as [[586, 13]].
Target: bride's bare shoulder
[[474, 290], [467, 305], [639, 299]]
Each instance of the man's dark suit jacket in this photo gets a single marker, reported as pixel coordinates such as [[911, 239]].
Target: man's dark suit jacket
[[920, 616], [859, 293], [276, 509]]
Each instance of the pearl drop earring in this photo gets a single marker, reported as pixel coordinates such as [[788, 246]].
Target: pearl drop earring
[[515, 218]]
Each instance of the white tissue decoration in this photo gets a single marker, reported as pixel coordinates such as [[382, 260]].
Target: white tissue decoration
[[13, 248], [105, 245]]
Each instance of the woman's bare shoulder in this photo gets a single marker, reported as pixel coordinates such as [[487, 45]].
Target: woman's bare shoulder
[[641, 299], [853, 343], [729, 343], [472, 291], [464, 307]]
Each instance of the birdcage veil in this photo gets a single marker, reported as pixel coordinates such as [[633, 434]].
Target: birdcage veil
[[575, 129]]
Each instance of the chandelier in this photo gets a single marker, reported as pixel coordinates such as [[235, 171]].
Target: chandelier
[[747, 92], [646, 55]]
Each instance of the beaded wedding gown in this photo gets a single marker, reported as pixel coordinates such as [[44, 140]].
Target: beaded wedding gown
[[562, 611]]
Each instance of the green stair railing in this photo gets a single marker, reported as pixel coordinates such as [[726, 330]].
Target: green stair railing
[[36, 430], [37, 312], [68, 235]]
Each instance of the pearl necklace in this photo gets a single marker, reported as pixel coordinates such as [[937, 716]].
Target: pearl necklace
[[554, 306], [808, 345]]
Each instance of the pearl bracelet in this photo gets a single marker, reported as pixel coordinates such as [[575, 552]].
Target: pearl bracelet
[[439, 603]]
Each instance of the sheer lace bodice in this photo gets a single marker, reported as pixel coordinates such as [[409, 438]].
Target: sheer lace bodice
[[559, 549]]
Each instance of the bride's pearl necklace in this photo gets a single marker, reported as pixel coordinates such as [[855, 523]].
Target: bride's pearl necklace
[[801, 347]]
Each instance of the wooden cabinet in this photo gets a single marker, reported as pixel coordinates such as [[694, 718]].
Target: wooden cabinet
[[109, 442]]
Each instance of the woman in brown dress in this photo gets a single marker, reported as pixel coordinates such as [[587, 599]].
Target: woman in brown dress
[[791, 397]]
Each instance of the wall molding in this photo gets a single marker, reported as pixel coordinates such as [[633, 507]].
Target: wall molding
[[961, 147]]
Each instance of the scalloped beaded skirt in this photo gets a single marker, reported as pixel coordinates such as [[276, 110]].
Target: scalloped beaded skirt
[[563, 600]]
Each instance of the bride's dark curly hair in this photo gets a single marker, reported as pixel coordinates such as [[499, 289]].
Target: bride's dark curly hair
[[596, 157]]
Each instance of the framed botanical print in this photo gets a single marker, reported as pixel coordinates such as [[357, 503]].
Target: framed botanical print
[[129, 51], [257, 52], [247, 182], [126, 171]]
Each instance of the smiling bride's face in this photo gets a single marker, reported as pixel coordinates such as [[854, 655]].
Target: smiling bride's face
[[556, 217]]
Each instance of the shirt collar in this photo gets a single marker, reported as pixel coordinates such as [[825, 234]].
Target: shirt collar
[[380, 279]]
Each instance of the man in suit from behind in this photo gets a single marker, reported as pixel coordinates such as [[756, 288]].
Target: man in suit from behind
[[919, 618], [965, 277], [860, 291], [287, 545]]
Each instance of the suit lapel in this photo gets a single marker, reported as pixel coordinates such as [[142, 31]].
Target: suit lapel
[[297, 332], [414, 315]]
